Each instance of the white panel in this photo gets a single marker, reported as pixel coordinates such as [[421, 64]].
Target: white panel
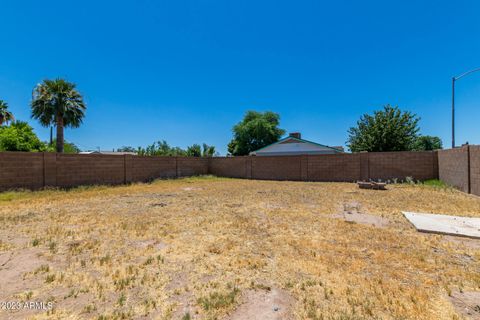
[[445, 224]]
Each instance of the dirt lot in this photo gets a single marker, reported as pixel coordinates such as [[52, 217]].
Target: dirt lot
[[208, 248]]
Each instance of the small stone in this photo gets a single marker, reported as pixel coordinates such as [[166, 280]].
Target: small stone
[[276, 308]]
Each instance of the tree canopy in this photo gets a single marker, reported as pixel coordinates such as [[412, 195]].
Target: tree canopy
[[208, 151], [390, 129], [196, 150], [57, 102], [19, 136], [126, 149], [162, 148], [427, 143], [68, 147], [255, 131]]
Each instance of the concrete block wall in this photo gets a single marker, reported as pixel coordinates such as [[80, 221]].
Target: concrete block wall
[[74, 170], [30, 170], [150, 168], [21, 170], [475, 170], [453, 164], [233, 167], [334, 167], [191, 166], [389, 165], [460, 167], [276, 168]]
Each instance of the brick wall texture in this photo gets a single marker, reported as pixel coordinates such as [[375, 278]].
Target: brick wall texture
[[31, 170], [234, 167], [332, 167], [74, 170], [475, 170], [454, 167], [150, 168], [19, 170], [276, 168], [458, 167], [389, 165]]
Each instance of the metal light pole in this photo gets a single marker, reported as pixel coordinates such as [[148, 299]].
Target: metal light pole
[[453, 101]]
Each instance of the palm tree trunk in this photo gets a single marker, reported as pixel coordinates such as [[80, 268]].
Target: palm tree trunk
[[59, 134]]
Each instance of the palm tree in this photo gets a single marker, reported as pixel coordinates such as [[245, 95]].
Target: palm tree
[[5, 115], [57, 102], [208, 151]]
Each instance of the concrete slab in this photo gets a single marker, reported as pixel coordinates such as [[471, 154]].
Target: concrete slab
[[445, 224]]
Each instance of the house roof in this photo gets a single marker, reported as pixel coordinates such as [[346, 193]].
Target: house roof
[[121, 153], [299, 140]]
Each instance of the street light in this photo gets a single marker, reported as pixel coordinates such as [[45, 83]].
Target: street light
[[453, 101]]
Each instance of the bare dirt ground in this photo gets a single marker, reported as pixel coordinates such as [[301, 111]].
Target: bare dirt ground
[[467, 304], [227, 249]]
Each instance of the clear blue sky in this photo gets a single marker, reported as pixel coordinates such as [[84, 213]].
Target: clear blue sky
[[186, 71]]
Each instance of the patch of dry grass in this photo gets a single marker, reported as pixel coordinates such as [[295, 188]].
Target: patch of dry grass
[[190, 247]]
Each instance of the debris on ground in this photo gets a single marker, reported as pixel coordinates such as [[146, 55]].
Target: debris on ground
[[372, 185], [444, 224], [159, 204]]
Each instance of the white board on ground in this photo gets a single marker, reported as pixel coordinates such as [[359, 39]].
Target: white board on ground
[[444, 224]]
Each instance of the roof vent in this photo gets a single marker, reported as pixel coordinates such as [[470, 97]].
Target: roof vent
[[296, 135]]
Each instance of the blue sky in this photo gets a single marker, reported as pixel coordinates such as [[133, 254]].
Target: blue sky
[[186, 71]]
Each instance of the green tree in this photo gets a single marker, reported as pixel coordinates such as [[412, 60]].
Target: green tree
[[389, 129], [19, 136], [126, 149], [427, 143], [57, 102], [208, 151], [194, 151], [5, 115], [255, 131], [68, 147], [160, 148]]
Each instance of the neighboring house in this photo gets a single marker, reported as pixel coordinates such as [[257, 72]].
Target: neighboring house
[[109, 152], [295, 145]]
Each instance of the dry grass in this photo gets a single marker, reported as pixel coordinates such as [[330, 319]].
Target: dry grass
[[189, 248]]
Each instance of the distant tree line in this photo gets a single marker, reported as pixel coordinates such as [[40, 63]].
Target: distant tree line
[[162, 148]]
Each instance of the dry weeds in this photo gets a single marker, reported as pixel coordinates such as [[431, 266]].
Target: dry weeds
[[197, 248]]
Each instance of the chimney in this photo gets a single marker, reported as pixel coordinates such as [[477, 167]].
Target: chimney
[[297, 135]]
